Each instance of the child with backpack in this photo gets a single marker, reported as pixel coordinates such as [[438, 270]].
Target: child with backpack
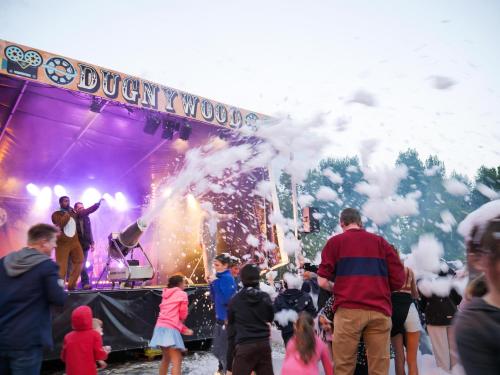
[[169, 326], [289, 301]]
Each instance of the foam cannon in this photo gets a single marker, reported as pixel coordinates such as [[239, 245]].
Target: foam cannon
[[123, 244]]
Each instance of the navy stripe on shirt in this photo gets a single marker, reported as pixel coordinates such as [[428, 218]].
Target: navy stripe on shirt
[[361, 266]]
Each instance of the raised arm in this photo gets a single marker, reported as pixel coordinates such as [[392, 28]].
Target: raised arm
[[90, 210]]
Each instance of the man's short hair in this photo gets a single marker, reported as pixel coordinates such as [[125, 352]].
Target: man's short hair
[[350, 216], [61, 198], [77, 203], [41, 232]]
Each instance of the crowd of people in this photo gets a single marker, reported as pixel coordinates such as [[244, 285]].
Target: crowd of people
[[357, 310]]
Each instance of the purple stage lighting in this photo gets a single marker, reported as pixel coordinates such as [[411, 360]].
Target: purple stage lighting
[[44, 198], [121, 203], [90, 196], [33, 189], [60, 191]]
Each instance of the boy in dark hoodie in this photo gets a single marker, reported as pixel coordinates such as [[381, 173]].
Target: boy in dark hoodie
[[250, 314], [292, 299], [82, 347], [29, 285]]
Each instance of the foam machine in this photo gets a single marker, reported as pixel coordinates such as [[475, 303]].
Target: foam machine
[[123, 244]]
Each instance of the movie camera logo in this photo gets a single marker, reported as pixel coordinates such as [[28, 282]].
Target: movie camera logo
[[23, 63], [26, 64]]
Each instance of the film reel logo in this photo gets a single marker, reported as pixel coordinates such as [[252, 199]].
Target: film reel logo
[[21, 63], [60, 70]]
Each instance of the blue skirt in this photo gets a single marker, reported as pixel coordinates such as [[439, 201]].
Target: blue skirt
[[167, 338]]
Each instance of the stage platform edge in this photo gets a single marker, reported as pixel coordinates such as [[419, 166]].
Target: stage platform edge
[[129, 316]]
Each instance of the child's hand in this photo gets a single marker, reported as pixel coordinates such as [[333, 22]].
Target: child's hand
[[102, 364], [107, 348], [188, 332]]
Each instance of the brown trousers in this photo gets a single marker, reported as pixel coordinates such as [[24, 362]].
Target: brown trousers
[[72, 250], [349, 326], [255, 356]]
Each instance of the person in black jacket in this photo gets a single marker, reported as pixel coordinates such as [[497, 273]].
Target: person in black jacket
[[84, 229], [439, 312], [477, 326], [29, 285], [250, 315], [292, 299]]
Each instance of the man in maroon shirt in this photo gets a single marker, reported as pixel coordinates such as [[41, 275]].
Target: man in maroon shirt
[[362, 270]]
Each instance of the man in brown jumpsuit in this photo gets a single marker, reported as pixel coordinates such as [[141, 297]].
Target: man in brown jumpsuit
[[68, 245]]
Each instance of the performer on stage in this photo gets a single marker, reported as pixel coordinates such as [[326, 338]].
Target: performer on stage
[[84, 229], [68, 245]]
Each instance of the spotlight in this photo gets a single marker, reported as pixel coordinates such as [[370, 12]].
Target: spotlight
[[59, 191], [224, 134], [185, 131], [44, 198], [33, 189], [121, 203], [97, 104], [168, 130], [152, 124], [90, 196], [191, 201], [110, 200]]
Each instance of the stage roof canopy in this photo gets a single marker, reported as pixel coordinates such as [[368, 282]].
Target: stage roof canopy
[[65, 121]]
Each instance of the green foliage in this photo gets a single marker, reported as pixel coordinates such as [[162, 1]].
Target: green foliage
[[425, 177]]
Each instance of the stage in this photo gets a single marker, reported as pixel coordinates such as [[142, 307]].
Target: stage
[[129, 316]]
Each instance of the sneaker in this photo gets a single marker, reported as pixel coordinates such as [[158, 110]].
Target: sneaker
[[87, 287]]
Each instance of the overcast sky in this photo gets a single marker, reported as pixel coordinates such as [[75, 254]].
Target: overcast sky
[[303, 58]]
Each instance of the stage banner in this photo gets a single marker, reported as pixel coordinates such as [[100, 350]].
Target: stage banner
[[44, 67], [129, 316]]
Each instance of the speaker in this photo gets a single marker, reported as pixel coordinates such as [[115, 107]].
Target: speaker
[[309, 223]]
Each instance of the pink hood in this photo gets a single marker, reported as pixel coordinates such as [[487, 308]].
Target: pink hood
[[173, 309]]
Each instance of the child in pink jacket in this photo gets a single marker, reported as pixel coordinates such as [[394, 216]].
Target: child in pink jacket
[[305, 349], [169, 326]]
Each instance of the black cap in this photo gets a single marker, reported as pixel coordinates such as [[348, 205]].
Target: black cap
[[250, 275]]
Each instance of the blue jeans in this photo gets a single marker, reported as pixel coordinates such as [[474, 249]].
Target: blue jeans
[[21, 362]]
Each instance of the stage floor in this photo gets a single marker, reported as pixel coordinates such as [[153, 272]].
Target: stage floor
[[129, 316]]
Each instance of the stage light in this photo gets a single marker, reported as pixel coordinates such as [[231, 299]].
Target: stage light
[[185, 131], [152, 125], [97, 104], [168, 130], [44, 198], [166, 192], [87, 264], [90, 196], [191, 201], [59, 191], [33, 189], [110, 200], [121, 203]]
